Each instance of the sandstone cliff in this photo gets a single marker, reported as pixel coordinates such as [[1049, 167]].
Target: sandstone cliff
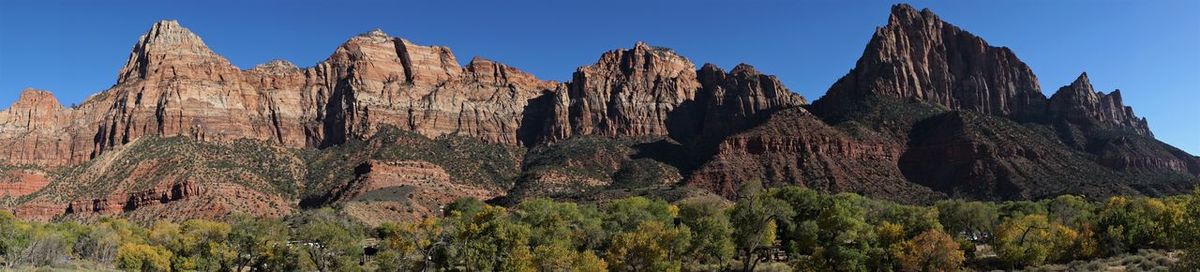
[[626, 93], [32, 130], [392, 129], [174, 85], [375, 80], [958, 117], [1080, 105], [918, 56], [738, 100]]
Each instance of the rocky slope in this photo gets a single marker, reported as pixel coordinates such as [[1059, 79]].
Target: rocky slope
[[796, 147], [951, 114], [389, 129]]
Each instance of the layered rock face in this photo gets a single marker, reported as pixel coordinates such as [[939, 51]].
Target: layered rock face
[[989, 134], [389, 191], [21, 182], [626, 93], [651, 91], [1080, 105], [375, 80], [919, 56], [33, 129], [391, 129], [170, 51], [795, 147], [738, 100], [173, 85], [1101, 124]]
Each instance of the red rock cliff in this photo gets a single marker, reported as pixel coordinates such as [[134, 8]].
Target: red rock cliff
[[919, 56]]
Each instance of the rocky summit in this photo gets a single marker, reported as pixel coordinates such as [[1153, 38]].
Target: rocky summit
[[388, 128]]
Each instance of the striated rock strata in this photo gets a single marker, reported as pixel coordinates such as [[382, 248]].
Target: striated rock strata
[[918, 56], [385, 126], [1081, 105]]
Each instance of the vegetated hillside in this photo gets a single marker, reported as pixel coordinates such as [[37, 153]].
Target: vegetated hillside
[[387, 128]]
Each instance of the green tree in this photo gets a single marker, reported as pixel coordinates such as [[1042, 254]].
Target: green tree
[[1190, 261], [142, 257], [556, 258], [652, 246], [754, 219], [1033, 240], [101, 242], [254, 240], [1013, 209], [562, 223], [626, 214], [914, 219], [798, 233], [407, 246], [1069, 210], [708, 219], [971, 220], [1126, 224], [845, 240], [486, 240], [41, 245], [328, 241], [464, 205], [196, 244], [14, 237]]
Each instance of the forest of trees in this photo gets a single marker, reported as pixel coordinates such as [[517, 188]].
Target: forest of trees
[[765, 229]]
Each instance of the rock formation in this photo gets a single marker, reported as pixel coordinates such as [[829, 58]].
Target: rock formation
[[738, 100], [795, 147], [930, 107], [979, 156], [388, 128], [173, 85], [1080, 105], [628, 92], [32, 130], [918, 56], [21, 182]]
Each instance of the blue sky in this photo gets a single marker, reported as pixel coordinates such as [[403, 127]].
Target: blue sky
[[1148, 49]]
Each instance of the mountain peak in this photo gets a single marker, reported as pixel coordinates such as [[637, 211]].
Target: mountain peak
[[33, 109], [374, 35], [1080, 104], [903, 13], [918, 56], [168, 32], [377, 32], [31, 98], [171, 50], [643, 58], [743, 68], [276, 65], [1082, 80]]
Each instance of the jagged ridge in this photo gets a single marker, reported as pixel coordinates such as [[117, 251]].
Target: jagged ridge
[[930, 110]]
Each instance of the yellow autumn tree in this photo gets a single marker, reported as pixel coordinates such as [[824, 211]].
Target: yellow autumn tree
[[932, 250], [142, 257]]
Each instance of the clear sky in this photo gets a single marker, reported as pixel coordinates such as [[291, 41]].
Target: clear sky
[[1148, 49]]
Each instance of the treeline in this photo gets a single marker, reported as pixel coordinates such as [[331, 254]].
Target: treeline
[[789, 226]]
